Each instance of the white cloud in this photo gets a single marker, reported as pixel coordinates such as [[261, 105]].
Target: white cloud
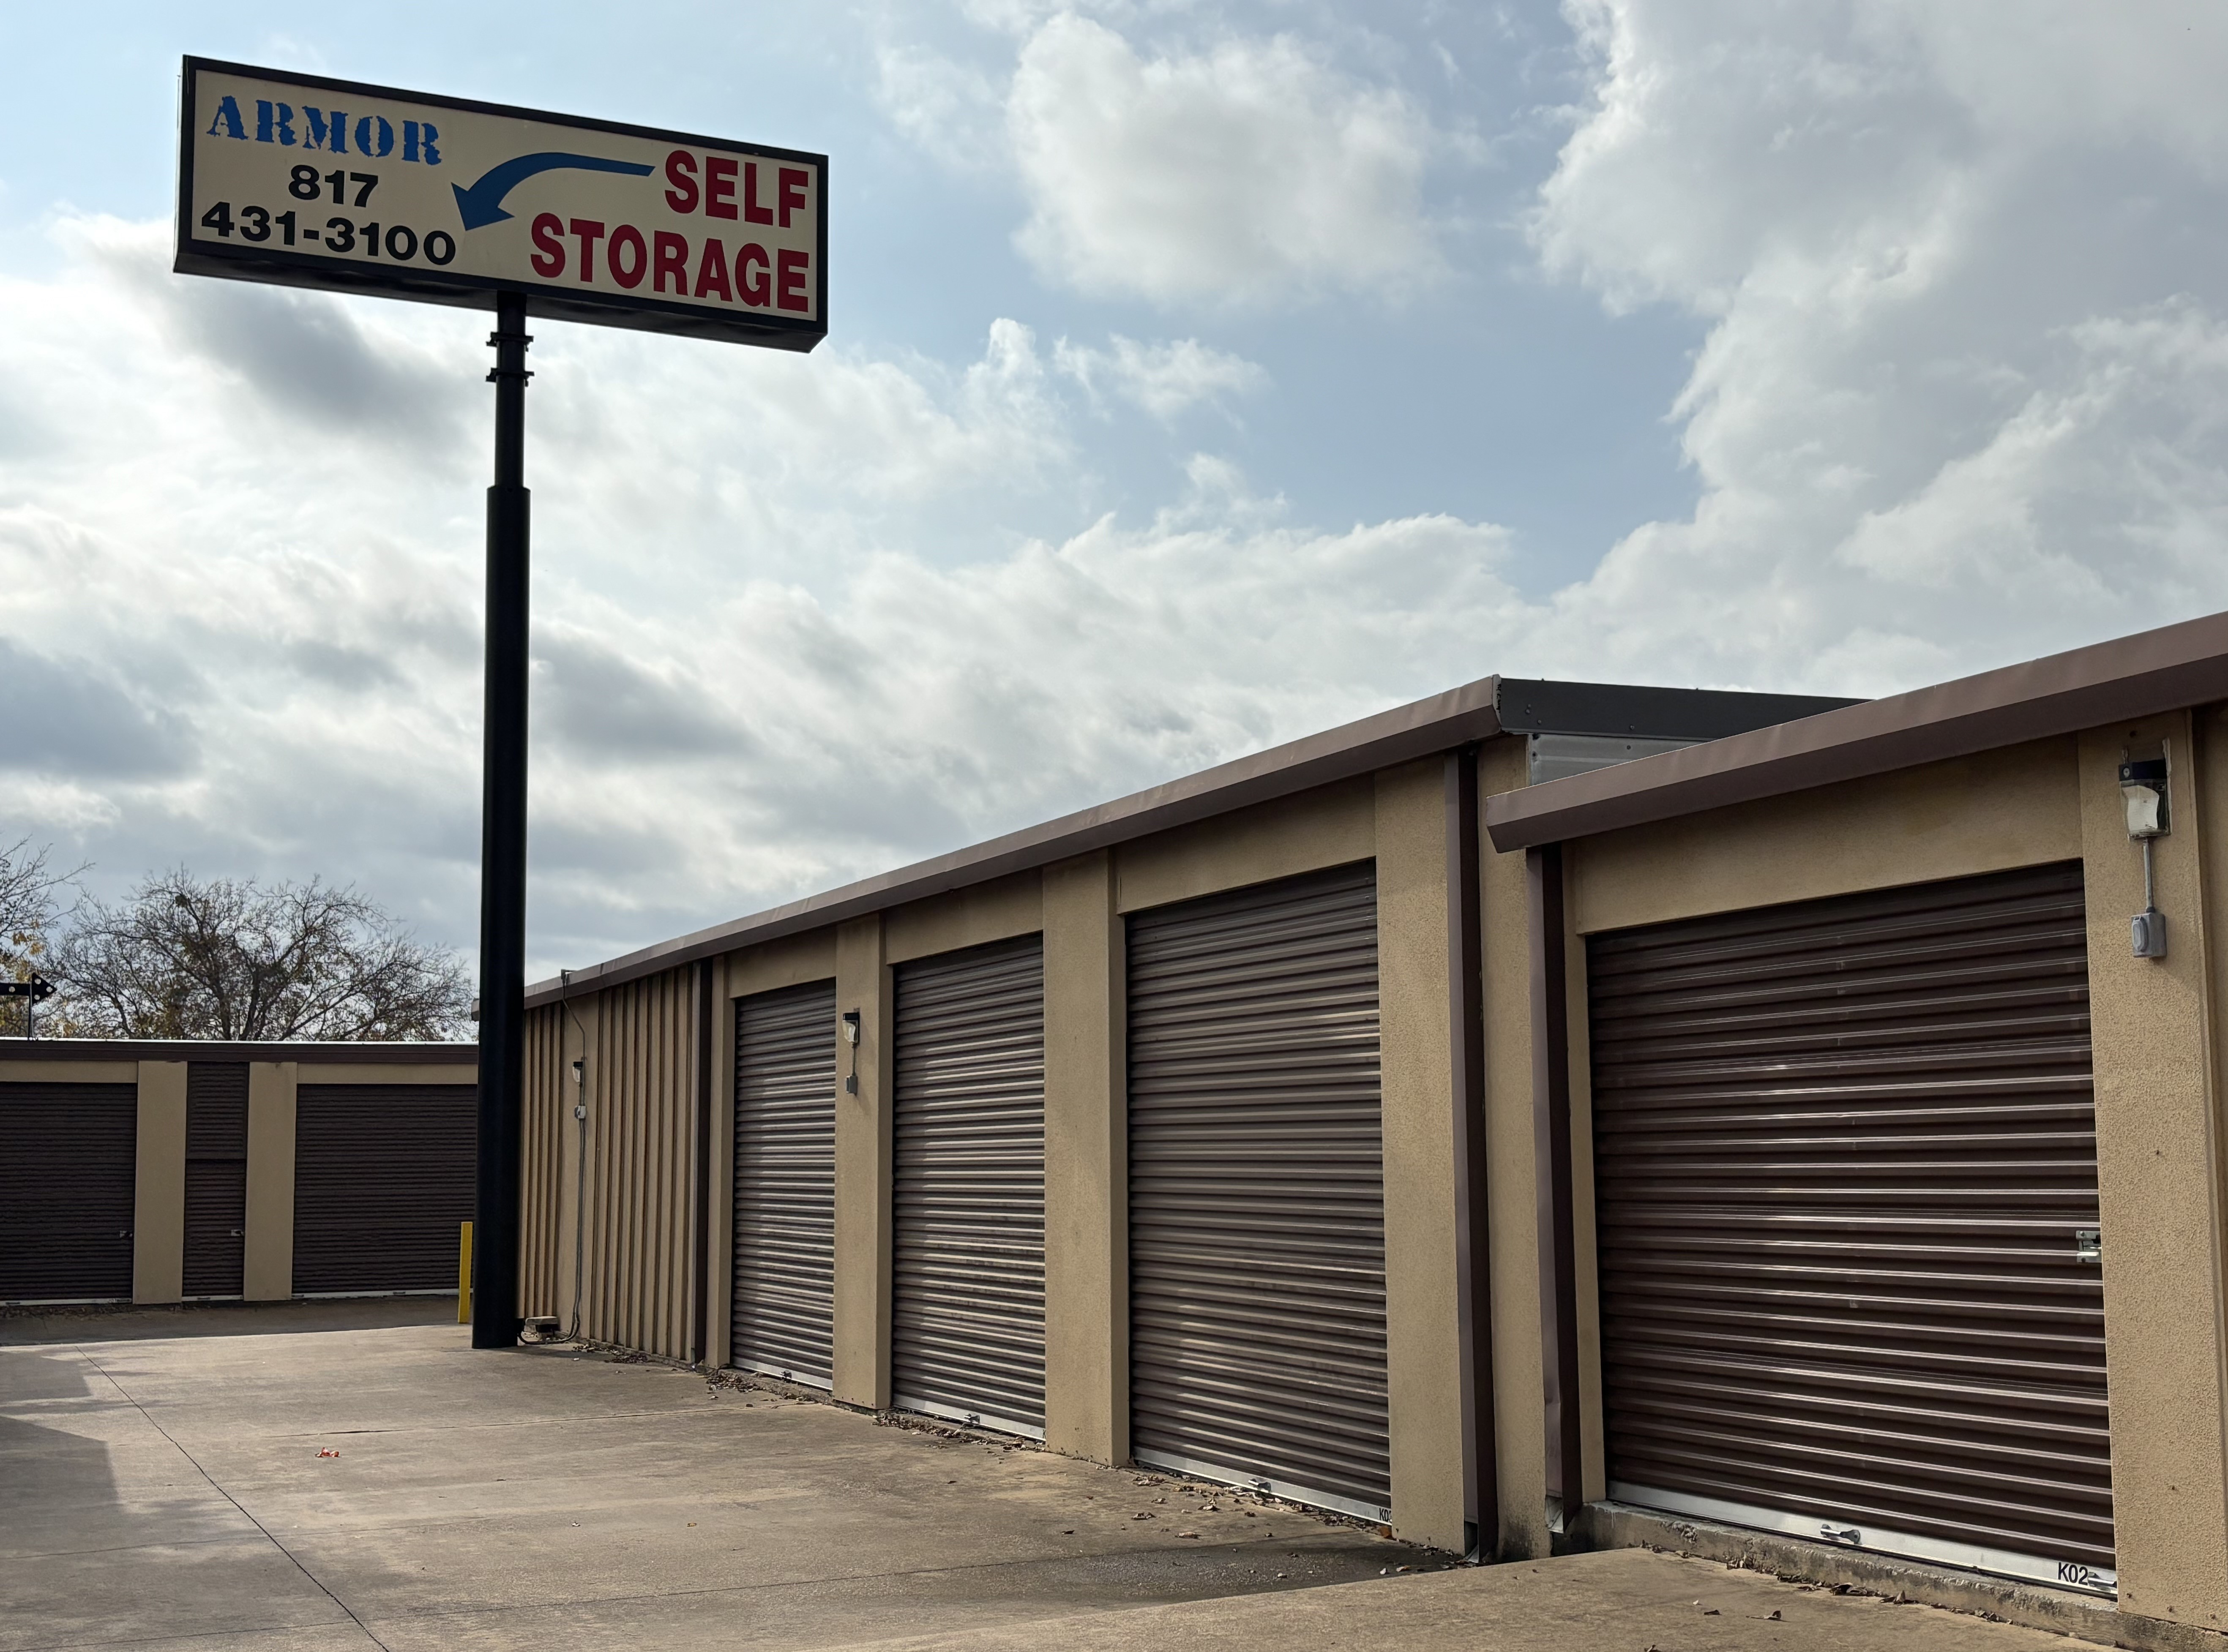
[[953, 110], [1249, 172], [1965, 272], [1165, 379], [1961, 399], [245, 583]]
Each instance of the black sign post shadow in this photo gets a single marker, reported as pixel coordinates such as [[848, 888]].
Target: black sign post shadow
[[299, 180]]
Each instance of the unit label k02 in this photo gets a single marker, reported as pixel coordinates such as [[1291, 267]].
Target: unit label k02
[[315, 182]]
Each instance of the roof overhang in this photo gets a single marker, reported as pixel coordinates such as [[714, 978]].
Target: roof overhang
[[2173, 667]]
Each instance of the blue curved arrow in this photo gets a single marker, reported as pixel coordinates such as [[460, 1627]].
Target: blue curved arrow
[[482, 204]]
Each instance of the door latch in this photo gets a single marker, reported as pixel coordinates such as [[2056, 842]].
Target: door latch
[[1840, 1534], [2089, 1245]]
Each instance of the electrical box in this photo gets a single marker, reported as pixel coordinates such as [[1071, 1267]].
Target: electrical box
[[2147, 928]]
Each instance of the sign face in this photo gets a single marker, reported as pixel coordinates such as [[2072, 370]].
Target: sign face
[[310, 183]]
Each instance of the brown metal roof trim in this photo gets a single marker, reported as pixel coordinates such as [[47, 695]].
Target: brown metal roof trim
[[2173, 667], [1418, 729], [210, 1049]]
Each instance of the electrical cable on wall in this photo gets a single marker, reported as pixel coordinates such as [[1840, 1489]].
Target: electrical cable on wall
[[579, 1156]]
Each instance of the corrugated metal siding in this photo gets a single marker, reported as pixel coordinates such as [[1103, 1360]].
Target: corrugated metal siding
[[783, 1318], [1842, 1151], [383, 1178], [545, 1246], [1256, 1197], [968, 1305], [216, 1177], [68, 1161], [642, 1088]]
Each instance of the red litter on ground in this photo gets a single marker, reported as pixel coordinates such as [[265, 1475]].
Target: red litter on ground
[[327, 1450]]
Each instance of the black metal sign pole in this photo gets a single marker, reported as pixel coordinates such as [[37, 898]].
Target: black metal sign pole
[[502, 849]]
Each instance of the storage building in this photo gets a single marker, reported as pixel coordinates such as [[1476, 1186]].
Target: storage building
[[1543, 1116], [175, 1171]]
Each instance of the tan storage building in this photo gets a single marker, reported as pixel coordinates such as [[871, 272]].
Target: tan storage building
[[1087, 1132], [175, 1170], [1539, 1117], [1884, 1103]]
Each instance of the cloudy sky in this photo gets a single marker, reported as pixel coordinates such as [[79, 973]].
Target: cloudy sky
[[1201, 375]]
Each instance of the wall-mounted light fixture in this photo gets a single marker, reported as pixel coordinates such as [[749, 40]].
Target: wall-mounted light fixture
[[851, 1038], [2143, 788]]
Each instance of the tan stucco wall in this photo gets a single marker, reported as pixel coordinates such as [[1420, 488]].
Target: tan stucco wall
[[2158, 1182], [791, 961], [267, 1274], [1988, 813], [1519, 1399], [387, 1073], [1423, 1310], [158, 1217], [863, 1174], [1086, 1164], [719, 1221], [69, 1072], [1593, 1438], [1330, 826], [969, 917]]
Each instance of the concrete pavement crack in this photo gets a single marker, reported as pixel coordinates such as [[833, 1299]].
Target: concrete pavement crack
[[148, 1417]]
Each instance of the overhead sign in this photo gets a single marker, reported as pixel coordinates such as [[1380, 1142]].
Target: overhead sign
[[313, 182]]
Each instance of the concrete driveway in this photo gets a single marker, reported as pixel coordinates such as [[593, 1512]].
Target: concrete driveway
[[162, 1483]]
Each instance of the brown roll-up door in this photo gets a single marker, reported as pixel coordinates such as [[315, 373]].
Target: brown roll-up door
[[1257, 1193], [216, 1177], [1846, 1174], [968, 1312], [68, 1159], [782, 1317], [383, 1181]]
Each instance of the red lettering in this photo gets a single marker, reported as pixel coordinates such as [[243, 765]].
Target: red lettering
[[590, 231], [793, 266], [549, 228], [753, 213], [680, 173], [711, 271], [670, 259], [719, 187], [628, 272], [793, 197], [757, 289]]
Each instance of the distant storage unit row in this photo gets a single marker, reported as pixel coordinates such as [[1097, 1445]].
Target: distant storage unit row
[[167, 1172]]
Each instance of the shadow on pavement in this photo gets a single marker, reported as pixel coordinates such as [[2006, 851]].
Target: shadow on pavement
[[26, 1326]]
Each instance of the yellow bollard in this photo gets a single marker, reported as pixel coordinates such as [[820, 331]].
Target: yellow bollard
[[464, 1275]]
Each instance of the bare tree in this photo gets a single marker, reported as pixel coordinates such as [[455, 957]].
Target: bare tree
[[30, 906], [183, 957]]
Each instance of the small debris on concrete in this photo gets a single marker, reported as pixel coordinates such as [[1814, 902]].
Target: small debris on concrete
[[1772, 1616], [327, 1450], [1187, 1533]]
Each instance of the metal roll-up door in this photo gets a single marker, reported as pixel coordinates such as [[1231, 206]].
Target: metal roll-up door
[[68, 1159], [216, 1178], [384, 1178], [782, 1317], [968, 1310], [1257, 1191], [1846, 1174]]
